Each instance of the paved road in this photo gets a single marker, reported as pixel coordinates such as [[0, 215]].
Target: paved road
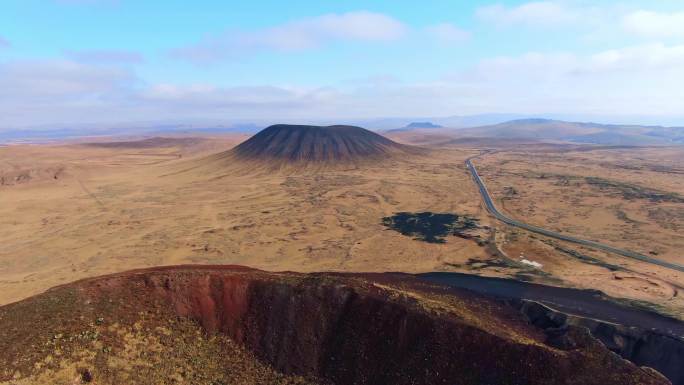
[[583, 303], [489, 203]]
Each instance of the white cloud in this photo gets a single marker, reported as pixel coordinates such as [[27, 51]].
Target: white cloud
[[641, 79], [63, 91], [448, 33], [648, 59], [654, 24], [203, 97], [297, 36], [593, 22], [644, 79], [60, 90], [104, 56], [545, 13], [61, 78]]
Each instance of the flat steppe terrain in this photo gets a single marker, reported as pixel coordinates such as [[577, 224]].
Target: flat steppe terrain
[[74, 211], [631, 198], [117, 208]]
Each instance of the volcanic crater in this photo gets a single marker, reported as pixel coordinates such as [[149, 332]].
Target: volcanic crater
[[235, 325]]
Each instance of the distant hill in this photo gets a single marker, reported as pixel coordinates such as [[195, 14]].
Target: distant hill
[[56, 134], [415, 126], [617, 139], [299, 143], [548, 129], [295, 148], [423, 125], [386, 124]]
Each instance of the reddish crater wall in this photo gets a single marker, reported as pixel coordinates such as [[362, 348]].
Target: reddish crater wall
[[344, 335]]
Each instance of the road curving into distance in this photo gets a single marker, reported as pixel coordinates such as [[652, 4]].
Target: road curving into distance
[[583, 303], [489, 203]]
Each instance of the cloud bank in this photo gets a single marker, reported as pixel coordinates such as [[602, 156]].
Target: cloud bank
[[654, 24], [300, 35], [643, 76], [542, 13], [531, 83]]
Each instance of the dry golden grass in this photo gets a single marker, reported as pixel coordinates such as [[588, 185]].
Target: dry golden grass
[[566, 191], [76, 340], [115, 209], [122, 212], [607, 195]]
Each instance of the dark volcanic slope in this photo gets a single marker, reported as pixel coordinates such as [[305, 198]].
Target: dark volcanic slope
[[232, 325], [298, 143]]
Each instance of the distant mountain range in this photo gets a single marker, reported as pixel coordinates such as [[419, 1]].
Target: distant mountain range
[[385, 124], [415, 125], [595, 133], [423, 125], [65, 133], [501, 126]]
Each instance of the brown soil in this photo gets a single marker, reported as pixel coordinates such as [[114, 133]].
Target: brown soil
[[149, 143], [220, 325]]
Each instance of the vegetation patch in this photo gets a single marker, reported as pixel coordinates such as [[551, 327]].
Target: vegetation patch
[[523, 276], [430, 227], [670, 218], [585, 258], [632, 191]]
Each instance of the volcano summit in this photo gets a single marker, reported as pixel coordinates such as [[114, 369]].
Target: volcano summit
[[319, 144]]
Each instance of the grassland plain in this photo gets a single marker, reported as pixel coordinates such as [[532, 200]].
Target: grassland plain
[[113, 208]]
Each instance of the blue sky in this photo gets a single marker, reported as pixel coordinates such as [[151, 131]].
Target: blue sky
[[117, 61]]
